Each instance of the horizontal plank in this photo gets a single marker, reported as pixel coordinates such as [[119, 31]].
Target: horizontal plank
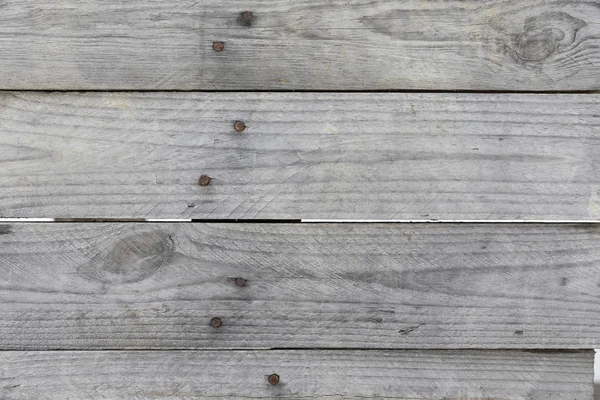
[[306, 44], [159, 285], [409, 375], [301, 155]]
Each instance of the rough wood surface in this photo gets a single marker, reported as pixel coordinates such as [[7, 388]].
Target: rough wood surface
[[408, 375], [127, 285], [305, 44], [302, 155]]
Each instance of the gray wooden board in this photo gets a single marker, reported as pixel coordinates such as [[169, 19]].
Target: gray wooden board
[[300, 44], [302, 155], [148, 285], [409, 375]]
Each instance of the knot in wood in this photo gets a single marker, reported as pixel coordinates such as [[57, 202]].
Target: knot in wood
[[132, 258], [545, 34]]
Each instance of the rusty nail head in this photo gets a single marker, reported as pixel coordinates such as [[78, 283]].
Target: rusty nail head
[[239, 126], [240, 282], [218, 46], [247, 16], [204, 180], [215, 322], [273, 379]]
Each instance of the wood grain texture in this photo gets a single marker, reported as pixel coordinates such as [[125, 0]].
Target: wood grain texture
[[302, 155], [306, 44], [138, 286], [408, 375]]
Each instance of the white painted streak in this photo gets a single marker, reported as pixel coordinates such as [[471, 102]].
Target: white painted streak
[[452, 221], [26, 220]]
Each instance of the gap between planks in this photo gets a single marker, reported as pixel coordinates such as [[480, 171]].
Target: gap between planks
[[548, 351], [349, 91], [300, 221]]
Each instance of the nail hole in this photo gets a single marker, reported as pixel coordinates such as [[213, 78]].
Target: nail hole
[[273, 379], [215, 322], [240, 282], [204, 180], [247, 16], [218, 46], [239, 126]]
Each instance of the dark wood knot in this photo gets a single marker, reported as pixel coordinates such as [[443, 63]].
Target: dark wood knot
[[545, 35], [131, 259]]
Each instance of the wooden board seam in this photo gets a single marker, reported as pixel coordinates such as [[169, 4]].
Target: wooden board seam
[[295, 221]]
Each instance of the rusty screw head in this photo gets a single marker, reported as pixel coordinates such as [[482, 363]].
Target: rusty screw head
[[218, 46], [273, 379], [216, 322], [204, 180], [240, 282], [247, 16], [239, 126]]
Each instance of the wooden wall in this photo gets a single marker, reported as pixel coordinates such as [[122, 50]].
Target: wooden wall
[[299, 199]]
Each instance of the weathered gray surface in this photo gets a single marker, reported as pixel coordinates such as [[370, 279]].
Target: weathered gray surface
[[127, 285], [409, 375], [303, 155], [306, 44]]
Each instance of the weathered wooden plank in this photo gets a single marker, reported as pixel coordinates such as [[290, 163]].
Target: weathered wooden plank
[[306, 44], [409, 375], [302, 155], [541, 45], [127, 285]]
